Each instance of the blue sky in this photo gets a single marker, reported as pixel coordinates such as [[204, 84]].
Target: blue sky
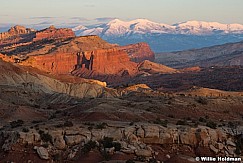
[[74, 12]]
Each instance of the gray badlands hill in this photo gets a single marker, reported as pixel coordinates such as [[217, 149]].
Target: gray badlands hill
[[230, 54], [163, 37]]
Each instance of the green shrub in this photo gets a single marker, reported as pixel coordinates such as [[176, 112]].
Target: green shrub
[[171, 116], [68, 124], [107, 142], [36, 121], [46, 145], [239, 144], [161, 122], [17, 123], [131, 123], [46, 137], [195, 124], [101, 126], [52, 116], [57, 157], [25, 130], [181, 122], [202, 100], [106, 155], [117, 146], [201, 119], [130, 161], [211, 124], [232, 125], [88, 147]]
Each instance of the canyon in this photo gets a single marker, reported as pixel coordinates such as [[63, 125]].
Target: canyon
[[81, 99]]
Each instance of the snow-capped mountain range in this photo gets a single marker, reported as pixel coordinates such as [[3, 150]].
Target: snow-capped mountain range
[[125, 32]]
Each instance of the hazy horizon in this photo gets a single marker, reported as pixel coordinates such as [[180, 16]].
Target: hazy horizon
[[43, 13]]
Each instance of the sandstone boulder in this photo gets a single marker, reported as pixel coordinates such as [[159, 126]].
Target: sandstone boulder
[[42, 152], [151, 131], [143, 153], [59, 142], [74, 139], [215, 150], [230, 143], [189, 137]]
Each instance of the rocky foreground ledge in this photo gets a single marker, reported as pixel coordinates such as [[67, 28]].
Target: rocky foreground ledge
[[70, 142]]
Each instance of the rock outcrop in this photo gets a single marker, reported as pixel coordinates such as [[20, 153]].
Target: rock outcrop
[[87, 57], [37, 81], [16, 30], [16, 35], [135, 139], [20, 36], [102, 61], [53, 33], [55, 63], [151, 67], [106, 61], [42, 152], [58, 51], [139, 52]]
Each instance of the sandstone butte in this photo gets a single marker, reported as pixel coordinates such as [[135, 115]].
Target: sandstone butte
[[53, 33], [86, 56], [20, 35], [16, 30]]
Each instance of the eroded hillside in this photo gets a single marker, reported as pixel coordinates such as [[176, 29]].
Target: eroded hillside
[[145, 112]]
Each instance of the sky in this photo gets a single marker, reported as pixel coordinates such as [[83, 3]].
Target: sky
[[42, 13]]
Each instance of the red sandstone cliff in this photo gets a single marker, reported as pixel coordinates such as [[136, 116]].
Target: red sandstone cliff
[[16, 30], [88, 56], [139, 52], [101, 61], [16, 35], [55, 63], [53, 33]]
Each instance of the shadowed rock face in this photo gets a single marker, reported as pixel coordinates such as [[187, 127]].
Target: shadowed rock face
[[139, 52], [230, 54]]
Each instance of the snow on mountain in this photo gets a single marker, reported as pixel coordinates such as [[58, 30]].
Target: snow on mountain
[[164, 37], [201, 27], [118, 27], [80, 27]]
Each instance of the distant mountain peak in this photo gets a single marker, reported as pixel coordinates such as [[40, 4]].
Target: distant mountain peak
[[115, 21], [79, 28], [117, 27], [165, 37]]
